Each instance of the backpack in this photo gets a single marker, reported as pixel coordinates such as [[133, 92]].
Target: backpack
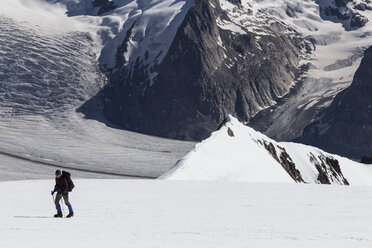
[[70, 183]]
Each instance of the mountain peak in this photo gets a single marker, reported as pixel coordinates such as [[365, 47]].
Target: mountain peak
[[236, 152]]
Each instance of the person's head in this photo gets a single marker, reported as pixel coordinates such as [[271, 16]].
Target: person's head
[[58, 173]]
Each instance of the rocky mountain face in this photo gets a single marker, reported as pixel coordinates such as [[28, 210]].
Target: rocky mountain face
[[346, 12], [177, 68], [346, 126], [103, 5], [224, 58], [339, 49]]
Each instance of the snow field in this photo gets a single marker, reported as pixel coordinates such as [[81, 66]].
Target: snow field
[[48, 69], [136, 213]]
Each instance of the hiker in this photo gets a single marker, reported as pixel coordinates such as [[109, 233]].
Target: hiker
[[62, 188]]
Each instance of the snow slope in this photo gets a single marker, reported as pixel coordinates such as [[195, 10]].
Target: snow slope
[[117, 213], [13, 168], [149, 24], [239, 153], [48, 69], [85, 144]]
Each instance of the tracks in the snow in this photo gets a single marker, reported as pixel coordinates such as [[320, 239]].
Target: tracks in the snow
[[75, 167]]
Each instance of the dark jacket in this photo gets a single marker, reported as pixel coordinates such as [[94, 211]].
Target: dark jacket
[[61, 185]]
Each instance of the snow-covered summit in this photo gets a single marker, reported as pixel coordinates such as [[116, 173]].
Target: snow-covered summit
[[239, 153]]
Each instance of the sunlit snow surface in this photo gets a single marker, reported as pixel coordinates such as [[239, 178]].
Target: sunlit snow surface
[[127, 213], [48, 69], [239, 153]]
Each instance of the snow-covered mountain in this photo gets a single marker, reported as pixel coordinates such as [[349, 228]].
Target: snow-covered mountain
[[48, 69], [170, 68], [346, 126], [177, 68], [238, 153], [336, 58], [219, 58]]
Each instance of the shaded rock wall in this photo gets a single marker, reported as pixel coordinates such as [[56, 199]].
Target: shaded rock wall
[[207, 73], [346, 126]]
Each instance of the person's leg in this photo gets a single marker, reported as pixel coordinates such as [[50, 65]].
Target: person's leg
[[67, 202], [57, 200], [58, 206]]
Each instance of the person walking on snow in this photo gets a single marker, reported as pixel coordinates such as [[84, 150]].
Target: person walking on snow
[[61, 188]]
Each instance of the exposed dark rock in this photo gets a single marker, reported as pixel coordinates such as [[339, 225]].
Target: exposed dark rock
[[120, 59], [104, 5], [322, 177], [363, 6], [334, 164], [230, 132], [200, 81], [346, 126], [271, 149], [344, 13], [285, 160], [366, 160], [236, 2], [222, 124], [342, 3], [329, 170], [290, 12], [358, 21], [287, 163]]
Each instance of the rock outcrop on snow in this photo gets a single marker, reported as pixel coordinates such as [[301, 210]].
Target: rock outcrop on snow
[[251, 156], [346, 126]]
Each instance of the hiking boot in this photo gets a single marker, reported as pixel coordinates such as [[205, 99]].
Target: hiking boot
[[71, 214], [58, 215]]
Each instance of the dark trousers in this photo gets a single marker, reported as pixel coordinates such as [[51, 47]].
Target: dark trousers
[[67, 202], [59, 197]]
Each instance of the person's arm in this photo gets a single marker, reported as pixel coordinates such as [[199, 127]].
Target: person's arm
[[55, 188]]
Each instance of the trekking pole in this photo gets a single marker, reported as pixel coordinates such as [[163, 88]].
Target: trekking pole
[[63, 207], [54, 201]]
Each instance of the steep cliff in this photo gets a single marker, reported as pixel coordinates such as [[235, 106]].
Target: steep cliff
[[225, 58], [346, 126]]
